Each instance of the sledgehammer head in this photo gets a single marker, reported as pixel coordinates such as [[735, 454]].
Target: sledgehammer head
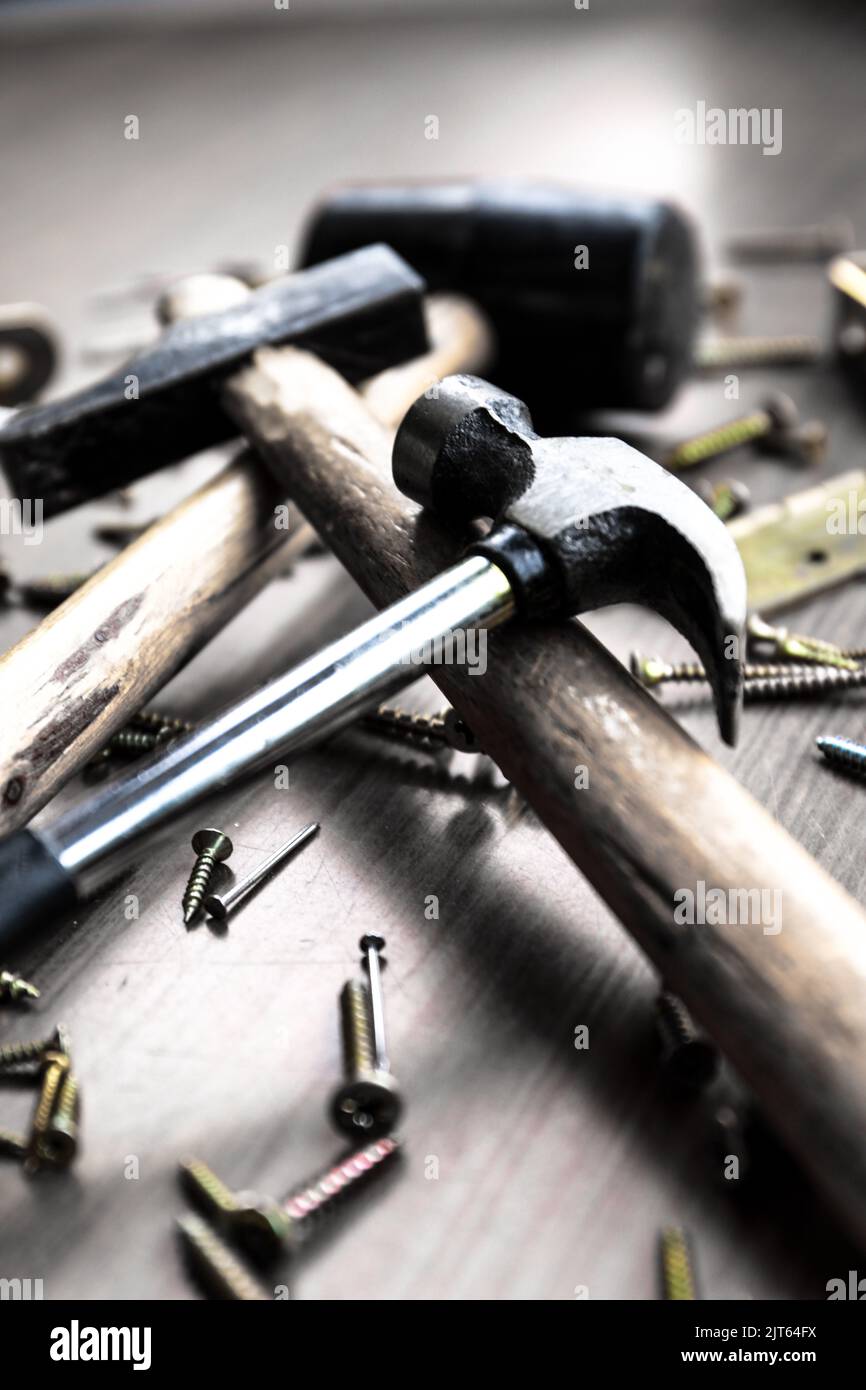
[[361, 312], [579, 523]]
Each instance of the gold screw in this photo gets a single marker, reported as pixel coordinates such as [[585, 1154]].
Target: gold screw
[[13, 987], [256, 1223], [677, 1272], [39, 1145], [60, 1144], [774, 425], [801, 648], [218, 1267]]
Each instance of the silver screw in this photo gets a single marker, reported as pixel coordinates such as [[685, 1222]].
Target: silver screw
[[816, 243], [219, 905], [843, 753], [792, 350]]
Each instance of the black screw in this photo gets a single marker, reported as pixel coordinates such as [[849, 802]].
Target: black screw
[[211, 847]]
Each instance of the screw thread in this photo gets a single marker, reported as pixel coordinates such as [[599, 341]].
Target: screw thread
[[16, 1054], [197, 885], [713, 443], [679, 1281], [690, 1056], [52, 1079], [318, 1198], [402, 723], [68, 1108], [14, 987], [153, 719], [754, 352], [805, 683], [219, 1268], [675, 1022], [359, 1048], [203, 1184], [844, 753], [134, 741]]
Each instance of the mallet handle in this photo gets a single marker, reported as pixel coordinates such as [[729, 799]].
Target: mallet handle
[[96, 660], [657, 816]]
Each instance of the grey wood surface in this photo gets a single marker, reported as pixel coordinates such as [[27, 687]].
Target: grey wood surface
[[555, 1167]]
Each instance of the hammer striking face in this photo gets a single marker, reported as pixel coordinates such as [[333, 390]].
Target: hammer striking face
[[579, 523]]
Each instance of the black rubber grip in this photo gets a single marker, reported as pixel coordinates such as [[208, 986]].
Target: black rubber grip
[[34, 890]]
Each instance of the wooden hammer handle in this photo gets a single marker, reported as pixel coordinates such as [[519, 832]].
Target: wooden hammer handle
[[92, 664], [784, 997]]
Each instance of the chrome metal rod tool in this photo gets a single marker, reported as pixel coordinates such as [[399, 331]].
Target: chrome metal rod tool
[[219, 905], [579, 524]]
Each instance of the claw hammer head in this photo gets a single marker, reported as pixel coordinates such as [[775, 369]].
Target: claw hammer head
[[579, 523]]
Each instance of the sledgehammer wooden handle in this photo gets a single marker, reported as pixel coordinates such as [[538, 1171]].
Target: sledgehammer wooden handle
[[659, 816], [92, 664]]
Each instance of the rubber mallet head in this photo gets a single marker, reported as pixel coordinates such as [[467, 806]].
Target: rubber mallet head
[[361, 313], [579, 523], [594, 299]]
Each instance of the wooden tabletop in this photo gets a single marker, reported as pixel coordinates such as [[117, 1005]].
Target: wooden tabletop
[[532, 1169]]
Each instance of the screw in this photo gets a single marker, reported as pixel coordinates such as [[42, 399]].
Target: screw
[[162, 723], [318, 1198], [690, 1058], [60, 1143], [40, 1148], [727, 499], [774, 426], [677, 1273], [256, 1223], [445, 728], [12, 1145], [721, 353], [768, 682], [815, 243], [15, 1055], [211, 847], [369, 1099], [216, 1265], [264, 1227], [798, 647], [134, 741], [13, 987], [843, 753], [220, 906]]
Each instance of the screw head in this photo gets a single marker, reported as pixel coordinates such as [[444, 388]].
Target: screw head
[[372, 943], [368, 1106], [216, 841], [782, 412]]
